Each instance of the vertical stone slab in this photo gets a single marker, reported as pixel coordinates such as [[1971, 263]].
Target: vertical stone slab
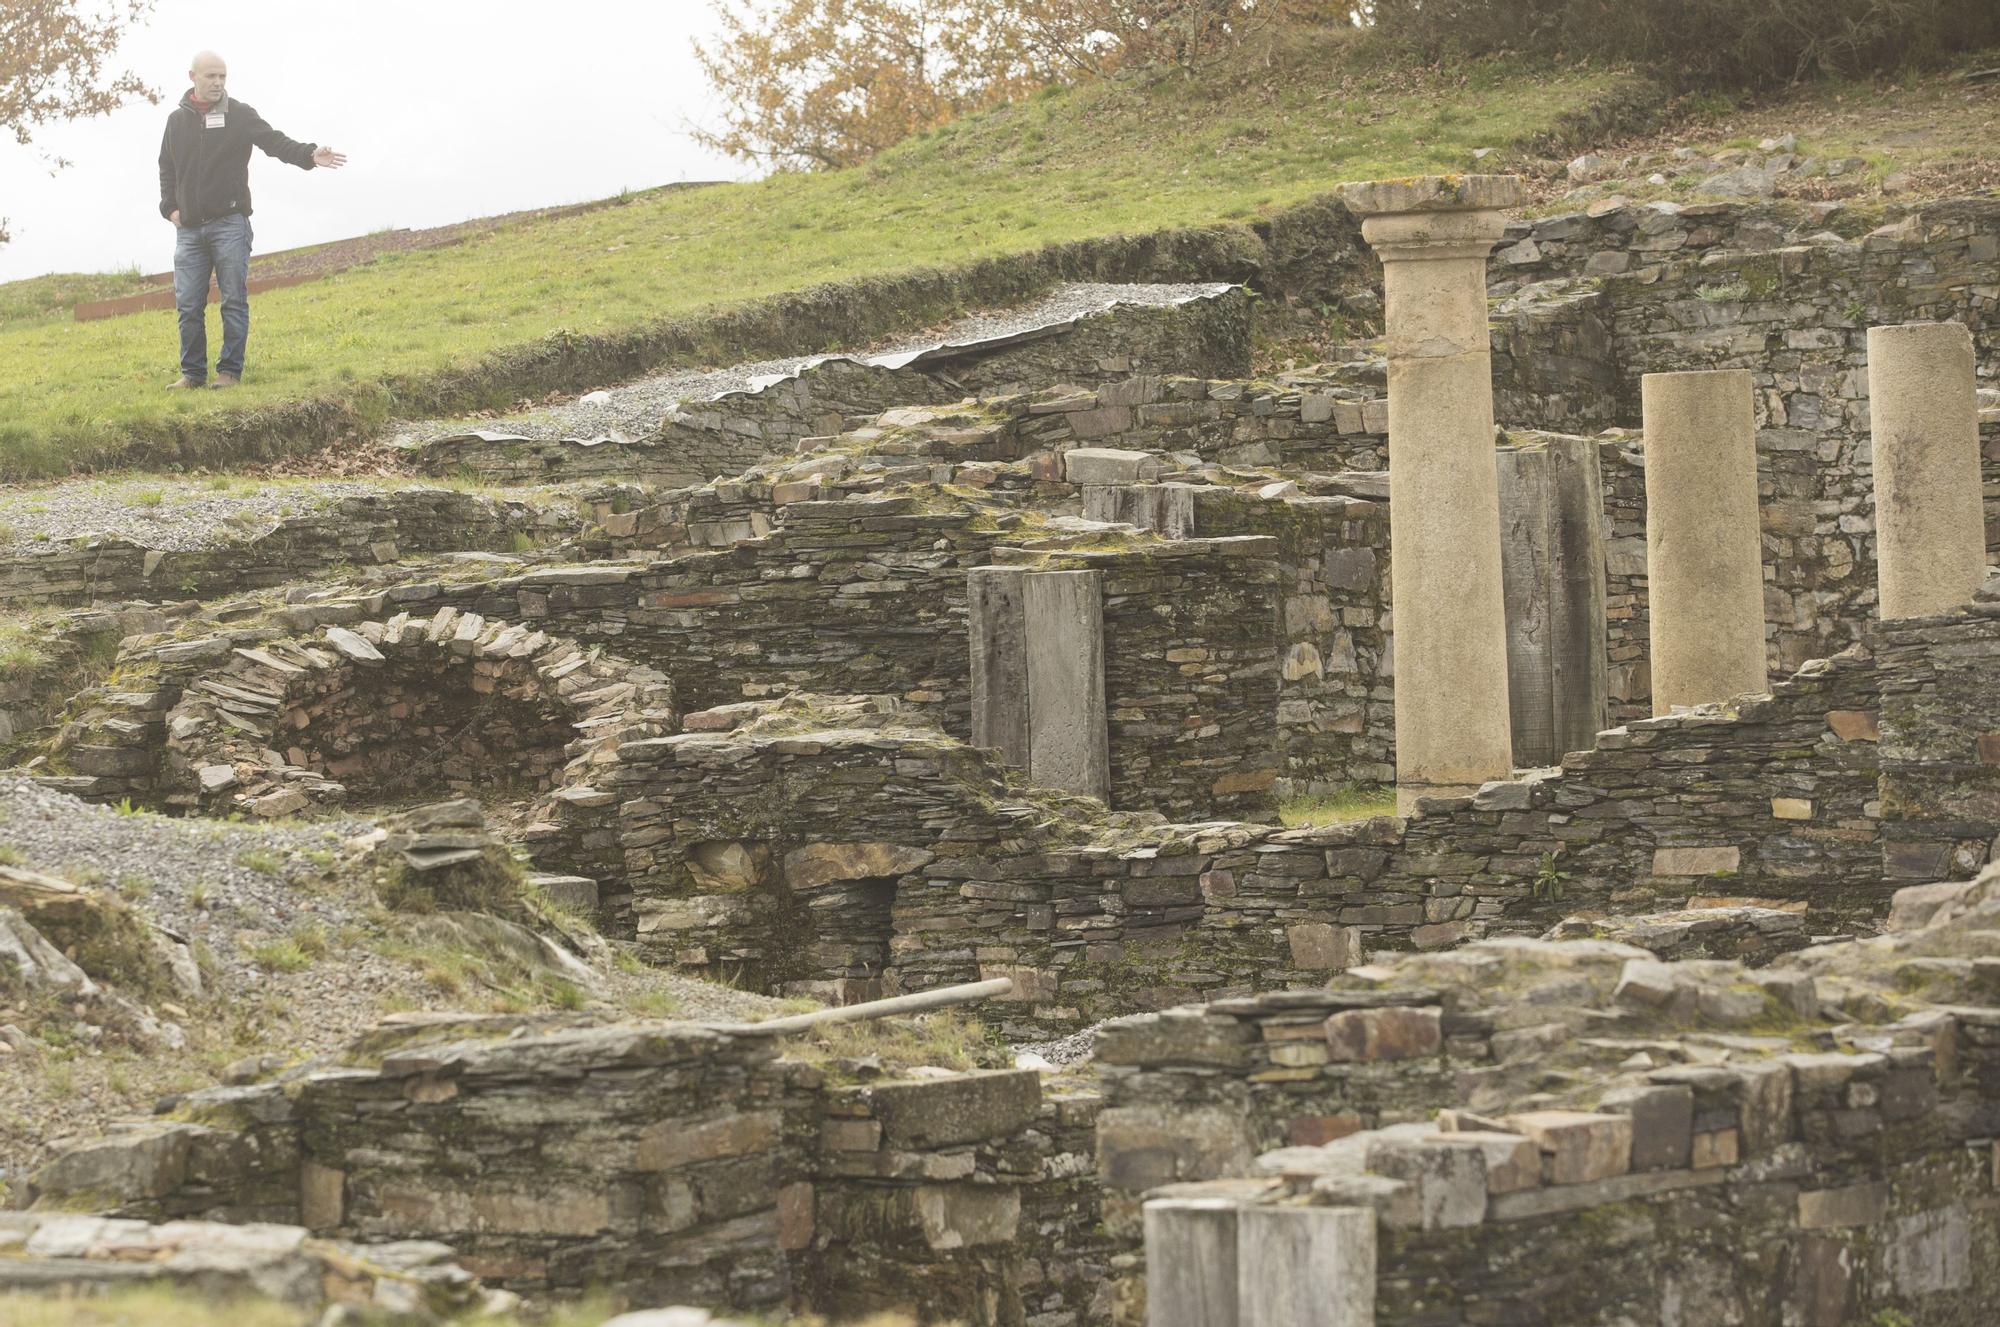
[[1433, 234], [1923, 411], [1305, 1266], [1165, 508], [997, 624], [1704, 549], [1552, 572], [1191, 1263], [1067, 742]]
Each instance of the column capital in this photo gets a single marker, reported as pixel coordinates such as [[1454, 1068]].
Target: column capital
[[1433, 216]]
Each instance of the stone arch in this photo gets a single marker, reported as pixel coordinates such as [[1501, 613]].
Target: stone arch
[[454, 702]]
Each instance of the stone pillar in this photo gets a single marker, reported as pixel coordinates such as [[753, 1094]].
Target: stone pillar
[[1305, 1266], [1704, 547], [1191, 1262], [1924, 413], [1552, 568], [1068, 737], [996, 621], [1433, 234]]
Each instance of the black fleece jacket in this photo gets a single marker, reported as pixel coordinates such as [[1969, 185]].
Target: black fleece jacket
[[204, 172]]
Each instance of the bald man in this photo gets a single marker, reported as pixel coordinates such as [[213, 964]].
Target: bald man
[[205, 192]]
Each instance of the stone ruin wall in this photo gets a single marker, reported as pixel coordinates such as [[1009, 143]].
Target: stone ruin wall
[[1803, 1188], [673, 1163], [1691, 297]]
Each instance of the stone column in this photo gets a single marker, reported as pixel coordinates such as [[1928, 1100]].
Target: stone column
[[1704, 548], [1930, 527], [1552, 569], [1433, 234]]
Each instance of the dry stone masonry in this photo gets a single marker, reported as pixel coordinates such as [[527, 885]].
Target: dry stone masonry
[[1669, 996]]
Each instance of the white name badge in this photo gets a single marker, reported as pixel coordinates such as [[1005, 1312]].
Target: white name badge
[[215, 119]]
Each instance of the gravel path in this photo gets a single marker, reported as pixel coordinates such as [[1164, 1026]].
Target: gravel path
[[635, 409], [174, 515]]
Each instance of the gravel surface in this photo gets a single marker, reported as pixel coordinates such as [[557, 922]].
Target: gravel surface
[[1063, 1052], [227, 889], [175, 515], [635, 409]]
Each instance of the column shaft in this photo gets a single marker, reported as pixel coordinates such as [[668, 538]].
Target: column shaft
[[1704, 548], [1930, 525], [1433, 235]]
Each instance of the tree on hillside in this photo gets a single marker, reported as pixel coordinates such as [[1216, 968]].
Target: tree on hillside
[[820, 84], [52, 58]]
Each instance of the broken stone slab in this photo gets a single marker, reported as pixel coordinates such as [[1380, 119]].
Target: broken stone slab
[[402, 1284], [967, 1108], [353, 645], [1110, 465]]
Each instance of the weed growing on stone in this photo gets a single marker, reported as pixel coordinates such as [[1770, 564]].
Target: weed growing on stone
[[1728, 292], [261, 861], [284, 955], [1551, 882], [1360, 801]]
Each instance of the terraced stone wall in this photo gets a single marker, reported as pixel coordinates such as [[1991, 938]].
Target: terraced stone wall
[[664, 1162], [1528, 1132]]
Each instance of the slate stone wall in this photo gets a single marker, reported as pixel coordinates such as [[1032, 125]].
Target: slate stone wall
[[667, 1163], [1940, 733]]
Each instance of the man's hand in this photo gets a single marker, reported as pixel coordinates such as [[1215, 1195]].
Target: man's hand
[[327, 159], [176, 217]]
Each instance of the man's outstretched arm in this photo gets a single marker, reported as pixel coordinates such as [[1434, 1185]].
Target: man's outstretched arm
[[303, 155]]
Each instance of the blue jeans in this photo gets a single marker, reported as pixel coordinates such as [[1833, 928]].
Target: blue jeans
[[221, 247]]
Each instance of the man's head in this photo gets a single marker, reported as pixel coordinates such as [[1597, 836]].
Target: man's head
[[209, 75]]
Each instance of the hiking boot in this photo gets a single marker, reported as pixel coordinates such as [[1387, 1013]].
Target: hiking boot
[[225, 380], [183, 383]]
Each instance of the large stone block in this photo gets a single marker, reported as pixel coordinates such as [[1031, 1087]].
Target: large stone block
[[1144, 1147], [1067, 734], [1662, 1124], [1397, 1032], [1578, 1147], [967, 1108], [967, 1216], [819, 864], [1447, 1180]]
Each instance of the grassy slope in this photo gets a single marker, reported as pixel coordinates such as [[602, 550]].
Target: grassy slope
[[1097, 160]]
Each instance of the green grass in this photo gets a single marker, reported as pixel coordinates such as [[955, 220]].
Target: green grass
[[1109, 157], [1355, 802], [46, 299]]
